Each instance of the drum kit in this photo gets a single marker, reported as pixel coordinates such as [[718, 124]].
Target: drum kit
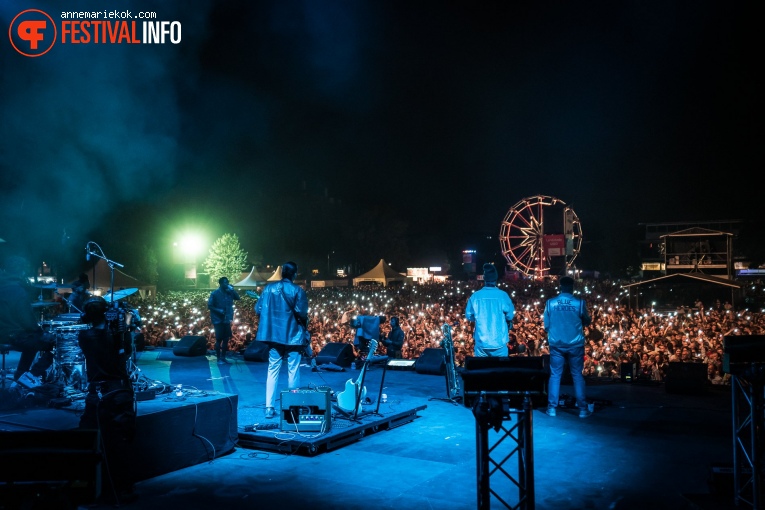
[[68, 367]]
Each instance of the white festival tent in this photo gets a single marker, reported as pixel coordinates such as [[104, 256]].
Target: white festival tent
[[252, 280], [381, 273], [277, 276]]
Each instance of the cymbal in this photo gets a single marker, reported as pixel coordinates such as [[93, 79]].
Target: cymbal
[[119, 294], [42, 304], [45, 285]]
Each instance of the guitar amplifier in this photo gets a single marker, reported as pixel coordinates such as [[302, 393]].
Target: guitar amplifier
[[306, 410]]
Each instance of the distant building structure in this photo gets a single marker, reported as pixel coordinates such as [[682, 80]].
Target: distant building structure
[[685, 247]]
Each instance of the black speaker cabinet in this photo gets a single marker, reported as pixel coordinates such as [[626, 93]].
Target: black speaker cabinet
[[256, 351], [340, 354], [431, 361], [306, 410], [686, 378], [628, 372], [191, 346], [513, 375], [741, 352], [139, 342]]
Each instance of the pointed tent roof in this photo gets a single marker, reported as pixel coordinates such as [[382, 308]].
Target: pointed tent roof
[[254, 279], [277, 276], [692, 276], [381, 273], [700, 279], [697, 231]]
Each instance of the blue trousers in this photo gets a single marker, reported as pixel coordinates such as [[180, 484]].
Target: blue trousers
[[574, 355], [481, 352]]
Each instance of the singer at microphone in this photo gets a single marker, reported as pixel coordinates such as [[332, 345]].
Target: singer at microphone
[[221, 306]]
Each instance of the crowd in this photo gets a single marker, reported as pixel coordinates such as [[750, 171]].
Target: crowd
[[647, 338]]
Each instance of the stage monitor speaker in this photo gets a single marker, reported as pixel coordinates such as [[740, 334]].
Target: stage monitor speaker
[[191, 346], [431, 361], [306, 410], [515, 374], [686, 378], [340, 354], [256, 351], [139, 342], [628, 372], [742, 353]]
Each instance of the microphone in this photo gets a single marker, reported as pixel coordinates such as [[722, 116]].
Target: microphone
[[87, 253]]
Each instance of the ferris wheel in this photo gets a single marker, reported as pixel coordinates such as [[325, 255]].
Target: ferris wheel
[[540, 236]]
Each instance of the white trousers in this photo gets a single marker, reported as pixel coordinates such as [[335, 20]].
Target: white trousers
[[275, 356]]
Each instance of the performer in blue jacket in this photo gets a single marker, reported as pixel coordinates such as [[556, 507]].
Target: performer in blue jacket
[[283, 312], [564, 318]]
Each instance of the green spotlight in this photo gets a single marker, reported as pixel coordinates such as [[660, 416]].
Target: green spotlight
[[191, 244]]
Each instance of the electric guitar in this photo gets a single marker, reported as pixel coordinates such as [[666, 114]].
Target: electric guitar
[[350, 399]]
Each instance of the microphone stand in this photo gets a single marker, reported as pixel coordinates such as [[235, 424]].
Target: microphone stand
[[112, 303], [109, 262]]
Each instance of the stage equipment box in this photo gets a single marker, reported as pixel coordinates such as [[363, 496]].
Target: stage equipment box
[[306, 410], [508, 376]]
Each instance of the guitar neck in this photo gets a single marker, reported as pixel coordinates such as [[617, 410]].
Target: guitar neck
[[372, 349]]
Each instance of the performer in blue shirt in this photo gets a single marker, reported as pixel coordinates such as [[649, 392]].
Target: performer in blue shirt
[[492, 311]]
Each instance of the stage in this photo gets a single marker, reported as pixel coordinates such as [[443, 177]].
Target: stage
[[642, 448]]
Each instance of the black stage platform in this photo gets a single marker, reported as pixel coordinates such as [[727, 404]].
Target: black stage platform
[[342, 431], [171, 432]]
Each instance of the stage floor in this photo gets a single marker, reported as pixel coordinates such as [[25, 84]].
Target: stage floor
[[642, 448]]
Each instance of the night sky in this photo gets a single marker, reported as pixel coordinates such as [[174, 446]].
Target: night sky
[[402, 130]]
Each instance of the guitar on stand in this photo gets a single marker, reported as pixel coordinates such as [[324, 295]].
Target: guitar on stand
[[350, 400], [452, 381]]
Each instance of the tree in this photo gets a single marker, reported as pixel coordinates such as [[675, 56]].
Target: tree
[[147, 270], [226, 258]]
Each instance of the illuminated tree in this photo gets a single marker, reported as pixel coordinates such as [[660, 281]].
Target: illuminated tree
[[147, 270], [226, 258]]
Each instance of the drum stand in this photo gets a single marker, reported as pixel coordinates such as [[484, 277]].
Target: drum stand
[[57, 374], [4, 350], [132, 370]]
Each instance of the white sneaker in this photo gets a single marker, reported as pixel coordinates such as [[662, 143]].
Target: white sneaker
[[585, 413], [550, 411]]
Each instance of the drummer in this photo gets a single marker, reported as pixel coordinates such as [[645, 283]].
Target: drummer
[[80, 294], [18, 326]]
